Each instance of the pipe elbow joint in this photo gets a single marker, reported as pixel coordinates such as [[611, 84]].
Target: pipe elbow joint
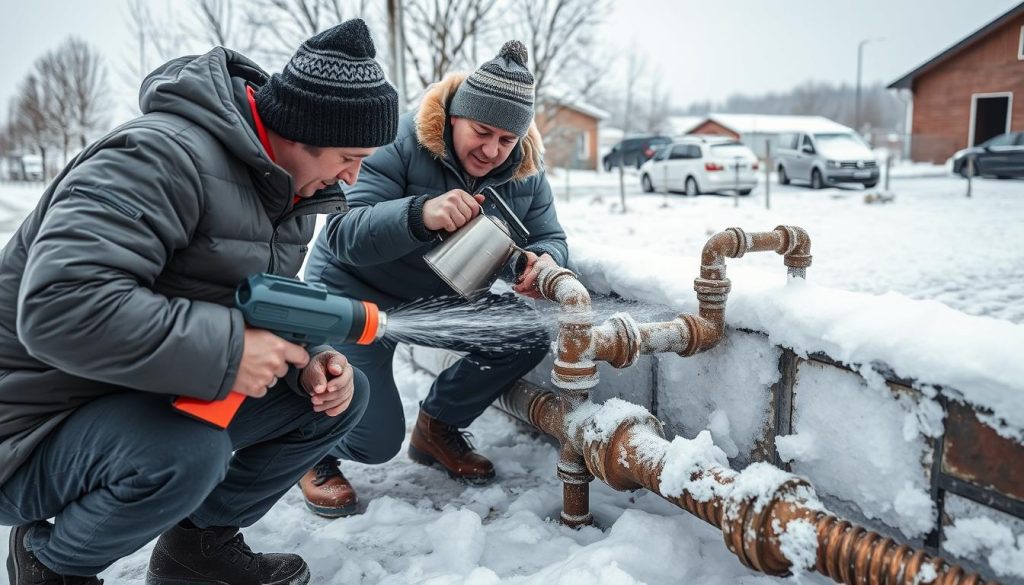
[[561, 285], [795, 246]]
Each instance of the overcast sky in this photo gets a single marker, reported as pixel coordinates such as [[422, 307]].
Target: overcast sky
[[699, 49]]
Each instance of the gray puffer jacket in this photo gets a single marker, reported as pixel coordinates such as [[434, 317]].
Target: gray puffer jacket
[[123, 276], [375, 251]]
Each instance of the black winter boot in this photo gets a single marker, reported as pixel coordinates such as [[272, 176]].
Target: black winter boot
[[24, 568], [186, 555]]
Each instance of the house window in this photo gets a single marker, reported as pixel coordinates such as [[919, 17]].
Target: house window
[[583, 145], [1020, 45]]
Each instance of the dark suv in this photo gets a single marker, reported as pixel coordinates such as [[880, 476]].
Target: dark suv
[[633, 151]]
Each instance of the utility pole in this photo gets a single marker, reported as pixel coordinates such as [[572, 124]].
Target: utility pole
[[396, 46], [860, 58]]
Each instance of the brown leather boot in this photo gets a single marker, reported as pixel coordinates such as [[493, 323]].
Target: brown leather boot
[[327, 492], [435, 443]]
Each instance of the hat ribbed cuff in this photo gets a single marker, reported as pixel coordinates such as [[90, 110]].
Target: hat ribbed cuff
[[328, 121], [491, 110]]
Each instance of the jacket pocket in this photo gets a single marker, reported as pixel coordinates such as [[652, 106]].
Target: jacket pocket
[[125, 208]]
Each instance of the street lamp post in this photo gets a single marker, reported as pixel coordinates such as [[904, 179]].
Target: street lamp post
[[860, 57]]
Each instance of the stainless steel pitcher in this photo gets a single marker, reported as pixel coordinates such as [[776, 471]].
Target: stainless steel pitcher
[[471, 258]]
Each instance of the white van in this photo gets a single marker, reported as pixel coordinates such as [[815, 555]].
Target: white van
[[825, 158]]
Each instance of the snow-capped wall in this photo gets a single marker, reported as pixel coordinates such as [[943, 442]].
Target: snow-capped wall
[[846, 389]]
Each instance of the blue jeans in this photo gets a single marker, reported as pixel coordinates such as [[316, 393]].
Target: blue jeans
[[124, 468]]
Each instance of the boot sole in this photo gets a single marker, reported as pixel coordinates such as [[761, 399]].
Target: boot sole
[[333, 512], [429, 460], [301, 579]]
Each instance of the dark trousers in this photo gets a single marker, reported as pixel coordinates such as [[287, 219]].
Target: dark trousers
[[460, 394], [124, 468]]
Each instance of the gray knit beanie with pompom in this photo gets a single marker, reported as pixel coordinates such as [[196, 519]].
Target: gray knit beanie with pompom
[[499, 93]]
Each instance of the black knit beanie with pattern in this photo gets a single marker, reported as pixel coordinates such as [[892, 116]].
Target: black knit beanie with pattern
[[332, 92]]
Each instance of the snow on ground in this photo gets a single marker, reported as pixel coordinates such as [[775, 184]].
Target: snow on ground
[[418, 526]]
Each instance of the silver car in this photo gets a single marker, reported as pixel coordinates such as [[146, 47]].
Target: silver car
[[825, 158]]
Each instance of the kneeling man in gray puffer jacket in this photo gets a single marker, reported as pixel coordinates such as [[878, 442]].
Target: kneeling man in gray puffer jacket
[[469, 134], [116, 294]]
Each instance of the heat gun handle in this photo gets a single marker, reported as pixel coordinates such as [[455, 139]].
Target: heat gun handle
[[299, 312], [218, 413]]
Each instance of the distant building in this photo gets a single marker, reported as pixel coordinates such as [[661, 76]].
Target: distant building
[[570, 129], [965, 95], [758, 130], [680, 125]]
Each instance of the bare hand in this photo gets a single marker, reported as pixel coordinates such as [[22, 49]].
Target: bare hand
[[526, 281], [265, 358], [329, 380], [451, 211]]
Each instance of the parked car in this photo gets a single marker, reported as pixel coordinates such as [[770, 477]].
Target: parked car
[[1000, 156], [31, 167], [825, 158], [633, 152], [701, 164]]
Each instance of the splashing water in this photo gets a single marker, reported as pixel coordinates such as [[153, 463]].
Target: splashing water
[[491, 324], [496, 323]]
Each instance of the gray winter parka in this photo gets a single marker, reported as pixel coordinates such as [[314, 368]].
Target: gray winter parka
[[123, 276], [374, 253]]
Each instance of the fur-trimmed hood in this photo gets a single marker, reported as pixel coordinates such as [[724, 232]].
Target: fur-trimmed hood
[[433, 115]]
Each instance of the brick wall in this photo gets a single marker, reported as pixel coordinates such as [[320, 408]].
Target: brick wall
[[560, 129], [942, 96]]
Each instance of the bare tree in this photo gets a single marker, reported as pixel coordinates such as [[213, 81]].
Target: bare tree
[[439, 35], [10, 141], [558, 34], [31, 114], [224, 23], [158, 36], [89, 89], [287, 23], [635, 67], [55, 79], [158, 32], [659, 108], [74, 83]]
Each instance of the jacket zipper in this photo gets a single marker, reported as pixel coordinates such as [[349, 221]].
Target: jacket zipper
[[298, 210]]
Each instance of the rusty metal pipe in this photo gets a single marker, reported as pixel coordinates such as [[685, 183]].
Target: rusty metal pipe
[[573, 369], [620, 341], [713, 287], [631, 452], [791, 242]]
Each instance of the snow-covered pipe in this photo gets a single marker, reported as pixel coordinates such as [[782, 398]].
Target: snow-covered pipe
[[771, 520], [620, 340], [770, 528], [713, 287]]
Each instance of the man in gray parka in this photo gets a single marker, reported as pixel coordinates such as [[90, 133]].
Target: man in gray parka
[[116, 294], [470, 133]]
